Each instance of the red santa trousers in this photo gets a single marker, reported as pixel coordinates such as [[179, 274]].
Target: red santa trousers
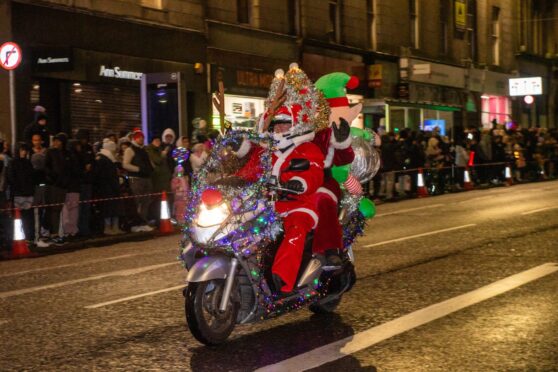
[[328, 233], [299, 218]]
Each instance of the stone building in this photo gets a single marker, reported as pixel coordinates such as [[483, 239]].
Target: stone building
[[421, 63]]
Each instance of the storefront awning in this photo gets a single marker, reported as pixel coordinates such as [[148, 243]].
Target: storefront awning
[[423, 105]]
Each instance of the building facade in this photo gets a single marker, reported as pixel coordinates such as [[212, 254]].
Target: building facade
[[421, 63]]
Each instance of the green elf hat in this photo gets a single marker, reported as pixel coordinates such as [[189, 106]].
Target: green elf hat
[[334, 85]]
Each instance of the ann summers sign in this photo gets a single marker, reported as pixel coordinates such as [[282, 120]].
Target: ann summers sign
[[52, 59], [118, 73]]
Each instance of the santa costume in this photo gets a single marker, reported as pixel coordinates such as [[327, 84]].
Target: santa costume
[[298, 210]]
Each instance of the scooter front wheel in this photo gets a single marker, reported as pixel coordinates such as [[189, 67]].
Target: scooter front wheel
[[207, 323]]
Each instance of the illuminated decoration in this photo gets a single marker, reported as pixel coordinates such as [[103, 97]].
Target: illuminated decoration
[[314, 114], [180, 155]]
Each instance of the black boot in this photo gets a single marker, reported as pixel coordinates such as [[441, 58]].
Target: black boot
[[278, 283], [332, 257]]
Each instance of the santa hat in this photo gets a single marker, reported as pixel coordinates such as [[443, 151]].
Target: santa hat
[[137, 133], [288, 114], [334, 87]]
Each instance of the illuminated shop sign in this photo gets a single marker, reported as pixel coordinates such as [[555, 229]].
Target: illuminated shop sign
[[117, 73], [526, 86]]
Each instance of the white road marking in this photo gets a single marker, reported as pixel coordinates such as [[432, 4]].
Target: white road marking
[[372, 336], [69, 265], [538, 210], [408, 210], [420, 235], [134, 297], [126, 272]]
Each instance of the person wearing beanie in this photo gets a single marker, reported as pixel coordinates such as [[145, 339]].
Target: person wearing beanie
[[38, 126], [22, 185], [136, 162], [106, 185]]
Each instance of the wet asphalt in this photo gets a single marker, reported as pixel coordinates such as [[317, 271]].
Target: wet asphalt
[[404, 263]]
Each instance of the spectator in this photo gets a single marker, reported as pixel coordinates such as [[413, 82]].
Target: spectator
[[20, 176], [161, 175], [167, 145], [200, 129], [40, 197], [5, 219], [86, 160], [183, 142], [389, 162], [136, 163], [180, 188], [70, 211], [37, 145], [198, 157], [57, 162], [38, 126], [107, 186]]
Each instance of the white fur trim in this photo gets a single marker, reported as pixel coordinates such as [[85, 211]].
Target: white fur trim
[[244, 149], [340, 145], [309, 212], [328, 162], [303, 181], [323, 190]]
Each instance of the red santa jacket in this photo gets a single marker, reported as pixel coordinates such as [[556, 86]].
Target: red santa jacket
[[311, 179], [335, 153]]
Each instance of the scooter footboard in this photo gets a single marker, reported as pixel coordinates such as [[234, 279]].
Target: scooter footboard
[[209, 268]]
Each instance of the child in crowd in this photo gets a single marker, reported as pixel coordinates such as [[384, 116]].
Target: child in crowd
[[180, 188]]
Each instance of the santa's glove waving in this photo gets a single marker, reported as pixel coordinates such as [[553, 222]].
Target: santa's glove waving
[[342, 131], [294, 185]]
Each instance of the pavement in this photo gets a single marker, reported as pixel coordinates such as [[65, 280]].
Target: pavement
[[460, 282]]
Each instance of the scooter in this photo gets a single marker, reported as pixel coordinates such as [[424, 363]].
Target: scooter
[[228, 248]]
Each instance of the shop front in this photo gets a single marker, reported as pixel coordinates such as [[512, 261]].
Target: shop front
[[491, 90], [428, 95], [245, 95], [95, 82]]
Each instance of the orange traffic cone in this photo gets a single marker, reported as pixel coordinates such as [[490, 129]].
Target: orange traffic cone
[[165, 226], [421, 188], [508, 175], [19, 245], [467, 184]]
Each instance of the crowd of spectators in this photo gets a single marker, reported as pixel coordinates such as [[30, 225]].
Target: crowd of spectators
[[63, 171], [532, 154], [48, 177]]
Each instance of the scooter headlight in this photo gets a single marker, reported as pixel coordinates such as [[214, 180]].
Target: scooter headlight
[[213, 216]]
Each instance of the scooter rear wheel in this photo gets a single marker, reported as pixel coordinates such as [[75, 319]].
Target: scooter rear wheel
[[207, 323], [325, 308]]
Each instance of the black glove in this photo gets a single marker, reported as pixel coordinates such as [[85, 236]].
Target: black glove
[[235, 145], [342, 133], [294, 185]]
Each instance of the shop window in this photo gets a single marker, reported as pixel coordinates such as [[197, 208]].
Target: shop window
[[414, 23], [472, 29], [104, 107], [495, 108], [372, 24], [495, 35], [293, 14], [334, 21], [444, 27], [243, 11]]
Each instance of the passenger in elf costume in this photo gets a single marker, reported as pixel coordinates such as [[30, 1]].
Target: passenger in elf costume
[[291, 124], [335, 143]]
